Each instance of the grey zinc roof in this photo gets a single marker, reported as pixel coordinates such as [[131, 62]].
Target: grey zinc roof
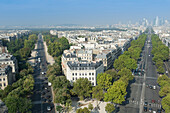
[[101, 55], [84, 51], [84, 64]]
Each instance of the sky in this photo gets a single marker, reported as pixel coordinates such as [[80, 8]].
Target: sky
[[82, 12]]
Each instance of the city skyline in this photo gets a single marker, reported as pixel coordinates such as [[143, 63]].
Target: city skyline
[[96, 12]]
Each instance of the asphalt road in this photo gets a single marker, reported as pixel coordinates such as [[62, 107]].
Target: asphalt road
[[138, 93], [42, 96]]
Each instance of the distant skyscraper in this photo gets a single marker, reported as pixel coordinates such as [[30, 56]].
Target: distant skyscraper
[[157, 21]]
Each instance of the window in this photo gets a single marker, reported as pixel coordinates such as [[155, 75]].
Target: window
[[73, 74], [89, 73], [92, 73], [93, 83], [80, 74], [92, 78], [76, 78], [4, 79], [4, 84], [0, 79], [73, 78], [0, 84], [76, 74], [89, 78], [85, 73]]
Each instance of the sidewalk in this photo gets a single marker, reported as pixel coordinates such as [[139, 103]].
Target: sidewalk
[[49, 58], [32, 59], [81, 104]]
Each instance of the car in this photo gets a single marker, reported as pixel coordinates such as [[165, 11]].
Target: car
[[145, 109], [154, 111], [48, 108], [158, 111], [146, 103], [46, 88], [153, 101], [42, 73], [147, 85], [149, 55], [150, 87], [166, 71], [150, 109], [154, 87]]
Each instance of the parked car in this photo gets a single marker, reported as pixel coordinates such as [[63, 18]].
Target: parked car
[[48, 108], [154, 87], [146, 103], [150, 109], [145, 109], [153, 101], [158, 111]]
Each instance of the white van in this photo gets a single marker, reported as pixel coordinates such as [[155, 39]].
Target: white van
[[154, 87]]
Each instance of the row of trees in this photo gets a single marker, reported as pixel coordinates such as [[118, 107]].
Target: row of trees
[[16, 96], [61, 86], [160, 52], [129, 58], [56, 45], [164, 83]]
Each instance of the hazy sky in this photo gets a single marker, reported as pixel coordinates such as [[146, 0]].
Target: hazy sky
[[85, 12]]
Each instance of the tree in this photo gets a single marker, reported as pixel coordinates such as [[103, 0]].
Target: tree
[[113, 73], [55, 69], [90, 106], [161, 69], [163, 80], [84, 110], [166, 103], [127, 73], [109, 108], [59, 108], [18, 104], [116, 92], [125, 61], [60, 82], [159, 63], [164, 90], [104, 80], [82, 87], [97, 93], [28, 84], [62, 95]]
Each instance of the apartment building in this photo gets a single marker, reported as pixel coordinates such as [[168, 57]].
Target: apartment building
[[10, 60], [85, 54], [6, 76], [84, 69], [67, 56], [106, 57]]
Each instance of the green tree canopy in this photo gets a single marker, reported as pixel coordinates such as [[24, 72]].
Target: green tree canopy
[[104, 80], [97, 93], [84, 110], [166, 103], [113, 73], [116, 92], [18, 104], [109, 108], [164, 91], [82, 87], [90, 106]]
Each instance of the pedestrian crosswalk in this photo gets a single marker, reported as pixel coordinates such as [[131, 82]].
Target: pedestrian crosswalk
[[155, 105]]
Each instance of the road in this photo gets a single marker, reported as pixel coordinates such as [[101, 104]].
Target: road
[[138, 93], [42, 96]]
